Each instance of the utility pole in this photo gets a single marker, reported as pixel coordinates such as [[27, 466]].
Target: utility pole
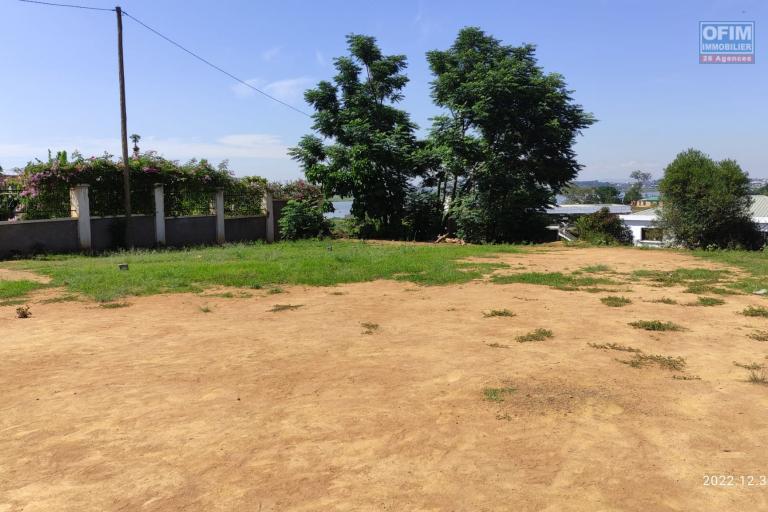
[[124, 130]]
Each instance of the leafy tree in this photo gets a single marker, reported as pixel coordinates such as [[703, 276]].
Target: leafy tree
[[606, 194], [635, 191], [706, 203], [506, 143], [371, 156], [603, 228]]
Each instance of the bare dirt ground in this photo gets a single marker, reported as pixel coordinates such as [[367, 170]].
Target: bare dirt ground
[[162, 406]]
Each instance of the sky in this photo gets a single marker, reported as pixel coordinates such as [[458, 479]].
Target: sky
[[633, 64]]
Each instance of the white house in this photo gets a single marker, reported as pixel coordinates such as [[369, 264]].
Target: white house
[[644, 232]]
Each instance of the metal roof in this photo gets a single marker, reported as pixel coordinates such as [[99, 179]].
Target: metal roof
[[758, 209], [583, 209]]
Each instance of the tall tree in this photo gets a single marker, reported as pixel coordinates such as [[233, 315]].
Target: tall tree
[[371, 156], [706, 203], [520, 124]]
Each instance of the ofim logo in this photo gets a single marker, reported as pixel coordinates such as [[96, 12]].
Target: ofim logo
[[727, 42]]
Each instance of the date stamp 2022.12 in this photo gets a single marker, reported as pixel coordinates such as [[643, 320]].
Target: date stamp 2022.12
[[735, 480]]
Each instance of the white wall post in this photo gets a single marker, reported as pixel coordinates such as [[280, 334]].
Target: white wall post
[[269, 210], [159, 214], [220, 236], [80, 207]]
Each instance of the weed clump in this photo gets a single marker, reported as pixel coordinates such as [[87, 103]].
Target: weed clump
[[537, 335], [615, 301], [655, 325]]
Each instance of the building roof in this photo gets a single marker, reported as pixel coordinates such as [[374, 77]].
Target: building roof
[[758, 209], [583, 209]]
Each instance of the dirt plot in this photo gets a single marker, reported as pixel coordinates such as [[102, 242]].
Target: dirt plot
[[386, 396]]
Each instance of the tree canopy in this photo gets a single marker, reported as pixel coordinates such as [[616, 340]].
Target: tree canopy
[[706, 203], [371, 154], [506, 142]]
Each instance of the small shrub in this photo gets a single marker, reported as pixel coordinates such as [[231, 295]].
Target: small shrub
[[497, 394], [498, 312], [275, 290], [758, 376], [755, 311], [497, 345], [707, 301], [665, 300], [302, 219], [655, 325], [284, 307], [369, 327], [613, 346], [749, 366], [113, 305], [23, 312], [603, 228], [686, 377], [759, 335], [537, 335], [593, 269], [641, 360], [615, 301]]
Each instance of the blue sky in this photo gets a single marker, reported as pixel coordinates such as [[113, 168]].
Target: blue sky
[[634, 64]]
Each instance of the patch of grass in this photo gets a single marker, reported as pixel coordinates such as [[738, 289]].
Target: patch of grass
[[230, 295], [755, 311], [206, 309], [275, 290], [61, 298], [749, 366], [554, 279], [705, 288], [338, 293], [498, 312], [641, 360], [758, 376], [369, 327], [656, 325], [17, 289], [306, 262], [594, 269], [497, 345], [537, 335], [707, 301], [682, 276], [12, 302], [113, 305], [615, 301], [497, 394], [665, 300], [753, 263], [759, 335], [686, 377], [614, 346], [23, 312], [284, 307]]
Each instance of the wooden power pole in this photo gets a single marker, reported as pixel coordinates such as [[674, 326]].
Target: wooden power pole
[[124, 130]]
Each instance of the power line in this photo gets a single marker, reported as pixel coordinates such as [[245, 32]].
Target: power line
[[214, 66], [190, 52], [67, 5]]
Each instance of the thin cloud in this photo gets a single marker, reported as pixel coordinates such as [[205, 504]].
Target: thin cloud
[[289, 90], [270, 54]]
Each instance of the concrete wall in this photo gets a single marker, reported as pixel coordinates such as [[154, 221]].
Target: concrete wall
[[85, 233], [109, 232], [245, 229], [186, 231], [34, 236]]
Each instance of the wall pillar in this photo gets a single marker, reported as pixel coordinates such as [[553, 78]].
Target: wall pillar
[[268, 204], [80, 208], [159, 214], [220, 235]]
